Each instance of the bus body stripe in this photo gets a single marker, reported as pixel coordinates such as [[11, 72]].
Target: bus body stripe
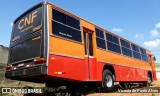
[[76, 69]]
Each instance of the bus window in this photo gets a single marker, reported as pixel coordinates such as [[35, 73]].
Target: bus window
[[100, 39], [65, 26], [113, 43], [135, 50], [27, 36], [126, 48], [65, 19], [143, 54]]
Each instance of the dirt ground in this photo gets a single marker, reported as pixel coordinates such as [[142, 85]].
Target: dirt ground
[[125, 94], [154, 84]]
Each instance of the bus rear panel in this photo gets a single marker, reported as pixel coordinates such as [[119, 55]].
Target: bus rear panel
[[27, 53]]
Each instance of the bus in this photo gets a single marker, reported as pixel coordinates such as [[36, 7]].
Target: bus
[[53, 46]]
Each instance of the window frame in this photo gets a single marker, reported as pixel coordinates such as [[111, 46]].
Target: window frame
[[98, 37], [119, 40], [67, 14], [112, 37], [143, 54], [108, 41], [128, 48], [133, 46]]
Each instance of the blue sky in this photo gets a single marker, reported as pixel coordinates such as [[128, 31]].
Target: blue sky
[[135, 20]]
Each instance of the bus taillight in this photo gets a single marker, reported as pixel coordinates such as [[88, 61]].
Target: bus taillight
[[9, 67], [29, 65], [39, 60]]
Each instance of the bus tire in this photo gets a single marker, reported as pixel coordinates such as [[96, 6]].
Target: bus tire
[[108, 81]]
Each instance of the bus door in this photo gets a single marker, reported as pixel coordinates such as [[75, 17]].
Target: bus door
[[89, 55], [151, 61]]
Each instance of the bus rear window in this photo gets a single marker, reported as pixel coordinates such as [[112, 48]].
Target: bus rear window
[[29, 23]]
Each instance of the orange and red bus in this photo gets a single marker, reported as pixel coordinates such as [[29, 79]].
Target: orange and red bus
[[53, 46]]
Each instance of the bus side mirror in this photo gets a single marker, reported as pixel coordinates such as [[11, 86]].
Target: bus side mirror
[[154, 58]]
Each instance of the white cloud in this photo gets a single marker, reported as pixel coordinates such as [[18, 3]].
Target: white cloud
[[154, 33], [152, 44], [136, 35], [158, 25], [139, 36], [11, 24], [117, 30]]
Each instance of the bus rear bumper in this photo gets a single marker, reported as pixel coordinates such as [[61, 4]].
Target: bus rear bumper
[[28, 71]]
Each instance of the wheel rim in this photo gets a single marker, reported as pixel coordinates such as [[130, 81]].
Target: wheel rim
[[109, 81]]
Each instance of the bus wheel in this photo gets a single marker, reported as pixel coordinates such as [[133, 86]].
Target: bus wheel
[[108, 81], [149, 81]]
